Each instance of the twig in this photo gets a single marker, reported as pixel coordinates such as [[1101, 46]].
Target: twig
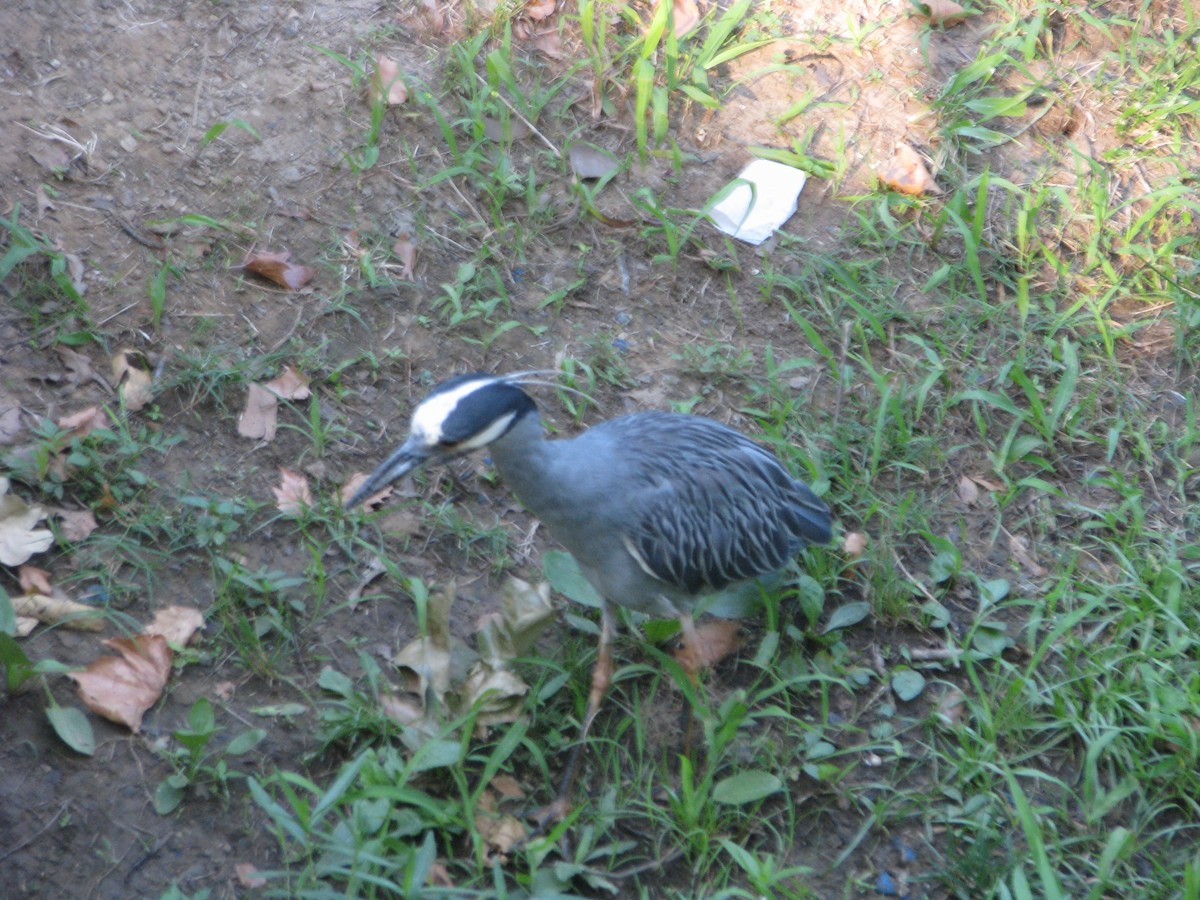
[[512, 109], [909, 575]]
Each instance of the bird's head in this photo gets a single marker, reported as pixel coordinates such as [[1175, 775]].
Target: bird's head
[[466, 413]]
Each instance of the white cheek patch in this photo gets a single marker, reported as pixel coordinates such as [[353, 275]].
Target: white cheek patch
[[488, 434], [431, 414]]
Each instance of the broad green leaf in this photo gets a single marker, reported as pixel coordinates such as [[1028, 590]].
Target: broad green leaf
[[746, 787], [908, 684], [246, 741], [169, 794], [73, 727], [564, 576], [846, 615], [811, 595]]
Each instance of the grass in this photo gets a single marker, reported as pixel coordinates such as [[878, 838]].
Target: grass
[[998, 697]]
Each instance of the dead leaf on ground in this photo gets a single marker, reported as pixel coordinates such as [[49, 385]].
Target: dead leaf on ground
[[406, 251], [79, 367], [525, 611], [988, 484], [84, 421], [20, 538], [494, 129], [950, 706], [24, 626], [906, 173], [686, 15], [289, 385], [386, 85], [1019, 548], [507, 787], [406, 710], [549, 43], [854, 544], [76, 524], [10, 418], [34, 580], [248, 877], [968, 491], [258, 418], [293, 495], [589, 161], [225, 690], [717, 638], [122, 688], [134, 384], [177, 624], [500, 831], [346, 491], [539, 9], [276, 266], [56, 608], [943, 12], [497, 695]]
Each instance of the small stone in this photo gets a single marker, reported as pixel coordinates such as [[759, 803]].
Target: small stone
[[107, 97], [128, 143]]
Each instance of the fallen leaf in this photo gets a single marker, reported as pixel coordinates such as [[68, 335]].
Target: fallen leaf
[[225, 690], [404, 710], [34, 580], [950, 706], [549, 43], [276, 267], [439, 876], [716, 639], [122, 688], [78, 366], [539, 9], [987, 483], [386, 85], [289, 385], [494, 129], [58, 609], [943, 12], [248, 877], [258, 418], [20, 538], [10, 418], [293, 496], [507, 787], [77, 524], [501, 832], [907, 174], [53, 159], [496, 695], [134, 384], [84, 421], [525, 611], [24, 626], [406, 252], [854, 544], [177, 624], [1019, 548], [346, 491], [589, 161], [968, 491], [44, 204], [686, 15]]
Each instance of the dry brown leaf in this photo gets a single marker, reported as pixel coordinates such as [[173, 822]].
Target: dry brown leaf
[[549, 43], [968, 491], [686, 16], [406, 252], [77, 524], [293, 495], [717, 638], [44, 204], [84, 421], [58, 609], [177, 624], [539, 9], [507, 787], [276, 266], [10, 418], [257, 420], [25, 626], [346, 491], [289, 385], [225, 690], [854, 544], [907, 174], [248, 877], [34, 580], [121, 688], [20, 538], [404, 710], [134, 384], [589, 161], [500, 832], [1019, 548], [78, 366], [944, 12], [987, 483], [950, 706], [386, 85], [439, 876]]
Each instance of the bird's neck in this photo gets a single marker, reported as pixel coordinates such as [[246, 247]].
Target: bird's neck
[[525, 460]]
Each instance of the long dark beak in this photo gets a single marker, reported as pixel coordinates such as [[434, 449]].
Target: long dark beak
[[399, 464]]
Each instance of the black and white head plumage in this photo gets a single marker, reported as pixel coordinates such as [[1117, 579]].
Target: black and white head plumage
[[465, 413]]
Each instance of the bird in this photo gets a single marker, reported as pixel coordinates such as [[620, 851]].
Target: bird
[[659, 509]]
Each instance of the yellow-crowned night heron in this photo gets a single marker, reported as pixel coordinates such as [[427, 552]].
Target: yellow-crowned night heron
[[659, 509]]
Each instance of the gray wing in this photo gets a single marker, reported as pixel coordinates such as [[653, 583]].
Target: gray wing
[[711, 507]]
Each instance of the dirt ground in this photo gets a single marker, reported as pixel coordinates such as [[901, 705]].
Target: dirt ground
[[147, 80]]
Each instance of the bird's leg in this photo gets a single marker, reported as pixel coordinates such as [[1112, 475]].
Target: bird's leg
[[693, 661], [602, 673]]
